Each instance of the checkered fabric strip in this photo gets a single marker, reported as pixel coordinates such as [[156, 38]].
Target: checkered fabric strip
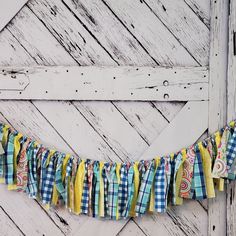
[[171, 191], [105, 181], [123, 189], [160, 187], [231, 149], [199, 186], [112, 191], [9, 162], [58, 177], [90, 185], [96, 189], [48, 180], [130, 192], [31, 183], [145, 189], [85, 193], [43, 159]]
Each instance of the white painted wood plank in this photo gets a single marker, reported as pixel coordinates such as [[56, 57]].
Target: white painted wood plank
[[8, 10], [104, 83], [169, 109], [217, 100], [201, 8], [231, 112], [109, 31], [144, 118], [73, 223], [7, 227], [39, 43], [70, 33], [188, 219], [150, 32], [183, 131], [28, 215], [131, 229], [185, 25]]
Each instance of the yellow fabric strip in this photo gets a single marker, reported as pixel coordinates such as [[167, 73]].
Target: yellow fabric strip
[[79, 179], [51, 153], [118, 166], [54, 195], [64, 164], [179, 175], [152, 195], [136, 188], [101, 193], [206, 162]]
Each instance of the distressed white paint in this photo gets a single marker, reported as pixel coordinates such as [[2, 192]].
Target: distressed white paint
[[194, 34], [217, 100], [231, 112], [180, 133], [105, 83], [8, 10]]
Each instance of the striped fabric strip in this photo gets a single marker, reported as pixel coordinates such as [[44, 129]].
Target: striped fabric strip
[[123, 189], [145, 188], [199, 188], [160, 187]]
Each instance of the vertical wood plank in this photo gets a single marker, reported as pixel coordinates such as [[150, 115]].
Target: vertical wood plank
[[231, 112], [217, 100]]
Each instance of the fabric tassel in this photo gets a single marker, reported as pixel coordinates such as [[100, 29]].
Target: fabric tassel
[[185, 188], [206, 162]]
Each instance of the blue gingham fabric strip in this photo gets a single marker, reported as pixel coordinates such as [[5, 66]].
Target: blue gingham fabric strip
[[48, 180], [123, 189], [105, 181], [145, 188], [160, 187], [198, 182], [9, 162], [231, 149], [85, 193], [130, 192]]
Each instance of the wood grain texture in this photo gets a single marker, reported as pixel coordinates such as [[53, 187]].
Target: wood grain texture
[[58, 27], [194, 34], [217, 100], [201, 8], [110, 83], [109, 31], [181, 124], [231, 112], [7, 226], [8, 10], [150, 32]]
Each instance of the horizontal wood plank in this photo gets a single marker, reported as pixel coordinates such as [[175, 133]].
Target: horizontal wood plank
[[104, 83]]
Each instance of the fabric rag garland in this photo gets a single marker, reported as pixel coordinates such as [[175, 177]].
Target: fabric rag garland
[[117, 190]]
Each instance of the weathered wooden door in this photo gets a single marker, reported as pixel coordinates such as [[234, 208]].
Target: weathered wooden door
[[116, 33]]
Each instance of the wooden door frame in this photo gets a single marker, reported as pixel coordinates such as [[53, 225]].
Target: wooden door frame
[[20, 83]]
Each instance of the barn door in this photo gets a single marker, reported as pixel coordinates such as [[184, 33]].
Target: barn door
[[160, 79]]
